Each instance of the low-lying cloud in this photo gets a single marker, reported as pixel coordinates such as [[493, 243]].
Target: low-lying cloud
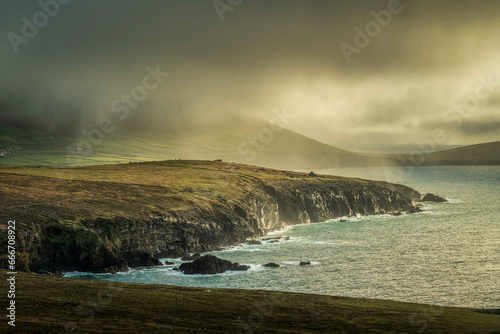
[[262, 56]]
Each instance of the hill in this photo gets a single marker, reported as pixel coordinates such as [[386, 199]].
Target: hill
[[480, 154], [249, 141]]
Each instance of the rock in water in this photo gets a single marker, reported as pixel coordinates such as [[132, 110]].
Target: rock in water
[[415, 210], [304, 263], [433, 198], [140, 259], [156, 262], [210, 265], [271, 264]]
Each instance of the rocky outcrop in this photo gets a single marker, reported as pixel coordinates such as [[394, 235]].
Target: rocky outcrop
[[141, 259], [433, 198], [271, 265], [114, 244], [58, 247], [210, 265], [415, 210]]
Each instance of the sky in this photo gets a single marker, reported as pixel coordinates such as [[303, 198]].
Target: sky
[[352, 73]]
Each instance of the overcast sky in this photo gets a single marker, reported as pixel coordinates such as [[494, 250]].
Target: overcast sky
[[264, 55]]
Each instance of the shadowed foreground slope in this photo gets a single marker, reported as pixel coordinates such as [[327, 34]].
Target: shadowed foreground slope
[[60, 305]]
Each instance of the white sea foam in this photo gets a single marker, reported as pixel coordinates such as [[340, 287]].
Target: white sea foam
[[244, 249], [174, 260], [454, 200], [297, 263], [283, 230], [255, 267], [323, 243], [87, 273]]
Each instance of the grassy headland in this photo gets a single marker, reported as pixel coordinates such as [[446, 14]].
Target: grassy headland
[[128, 190], [95, 217]]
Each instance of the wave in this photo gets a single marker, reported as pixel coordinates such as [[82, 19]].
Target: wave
[[297, 263], [80, 274], [283, 230], [454, 200]]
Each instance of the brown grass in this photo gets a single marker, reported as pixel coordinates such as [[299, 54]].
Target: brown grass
[[50, 305]]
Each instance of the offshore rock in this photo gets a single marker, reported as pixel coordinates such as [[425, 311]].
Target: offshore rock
[[271, 265], [210, 265], [141, 259], [433, 198]]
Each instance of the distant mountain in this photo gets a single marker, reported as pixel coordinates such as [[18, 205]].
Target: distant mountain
[[480, 154], [248, 141]]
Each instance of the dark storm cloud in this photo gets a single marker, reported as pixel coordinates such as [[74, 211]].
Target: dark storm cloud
[[263, 55]]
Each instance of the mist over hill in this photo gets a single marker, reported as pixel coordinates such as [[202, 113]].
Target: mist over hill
[[238, 139]]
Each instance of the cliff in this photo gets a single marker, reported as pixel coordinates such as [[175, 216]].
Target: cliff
[[107, 218]]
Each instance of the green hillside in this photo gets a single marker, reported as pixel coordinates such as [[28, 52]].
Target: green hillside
[[245, 141], [248, 141]]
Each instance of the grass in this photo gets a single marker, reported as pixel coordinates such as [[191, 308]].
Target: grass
[[130, 189], [60, 305]]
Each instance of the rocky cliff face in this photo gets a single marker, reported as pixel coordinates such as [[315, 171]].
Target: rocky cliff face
[[113, 244], [129, 224]]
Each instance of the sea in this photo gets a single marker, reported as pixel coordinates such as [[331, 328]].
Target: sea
[[449, 255]]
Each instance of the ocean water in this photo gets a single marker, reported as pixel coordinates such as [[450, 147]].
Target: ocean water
[[449, 255]]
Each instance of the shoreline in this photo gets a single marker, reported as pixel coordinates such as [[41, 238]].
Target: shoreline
[[258, 238], [163, 308]]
